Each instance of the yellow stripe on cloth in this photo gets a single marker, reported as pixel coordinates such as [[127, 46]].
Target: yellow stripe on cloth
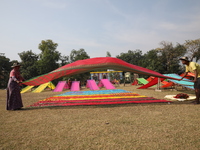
[[115, 94], [90, 98]]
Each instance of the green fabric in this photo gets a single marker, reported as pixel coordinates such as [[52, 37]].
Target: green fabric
[[142, 81]]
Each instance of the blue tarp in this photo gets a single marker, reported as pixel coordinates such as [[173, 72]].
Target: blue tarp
[[186, 83]]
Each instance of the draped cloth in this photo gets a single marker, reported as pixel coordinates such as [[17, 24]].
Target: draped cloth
[[14, 100], [86, 65]]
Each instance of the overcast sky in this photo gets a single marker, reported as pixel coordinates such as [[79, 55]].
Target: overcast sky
[[97, 26]]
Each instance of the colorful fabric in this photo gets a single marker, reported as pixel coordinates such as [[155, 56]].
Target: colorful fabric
[[101, 97], [60, 86], [44, 86], [27, 88], [180, 82], [87, 65]]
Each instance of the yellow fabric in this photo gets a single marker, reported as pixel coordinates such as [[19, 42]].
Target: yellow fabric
[[82, 98], [51, 86], [105, 72], [43, 86], [26, 89], [193, 66]]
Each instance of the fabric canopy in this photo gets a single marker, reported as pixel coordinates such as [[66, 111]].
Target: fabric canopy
[[87, 65]]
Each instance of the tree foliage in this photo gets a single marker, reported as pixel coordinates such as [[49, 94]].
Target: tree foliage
[[164, 59], [193, 49], [108, 54], [152, 61], [5, 68], [64, 60], [132, 57], [169, 56], [28, 64], [78, 55], [48, 58]]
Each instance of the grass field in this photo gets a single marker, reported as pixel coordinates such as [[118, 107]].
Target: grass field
[[159, 126]]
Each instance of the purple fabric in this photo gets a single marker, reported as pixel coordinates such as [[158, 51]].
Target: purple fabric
[[14, 100]]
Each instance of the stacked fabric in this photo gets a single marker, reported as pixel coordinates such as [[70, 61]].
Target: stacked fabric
[[101, 97]]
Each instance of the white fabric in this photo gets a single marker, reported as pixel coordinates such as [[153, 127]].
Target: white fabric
[[171, 97]]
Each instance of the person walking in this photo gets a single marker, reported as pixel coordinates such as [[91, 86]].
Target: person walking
[[14, 100], [194, 68]]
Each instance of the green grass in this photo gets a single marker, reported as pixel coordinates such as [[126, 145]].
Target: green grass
[[108, 127]]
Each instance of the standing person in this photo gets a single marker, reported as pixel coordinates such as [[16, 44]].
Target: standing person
[[14, 100], [194, 68], [94, 77], [69, 82], [104, 76]]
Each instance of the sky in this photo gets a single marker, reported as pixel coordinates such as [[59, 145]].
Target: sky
[[97, 26]]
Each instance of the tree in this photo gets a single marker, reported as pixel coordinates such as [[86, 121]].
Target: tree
[[108, 54], [78, 55], [132, 57], [153, 61], [64, 60], [169, 56], [5, 68], [28, 64], [49, 57], [193, 49]]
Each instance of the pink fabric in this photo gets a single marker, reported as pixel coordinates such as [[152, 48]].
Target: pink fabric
[[60, 86], [100, 84], [75, 86], [92, 85], [107, 84]]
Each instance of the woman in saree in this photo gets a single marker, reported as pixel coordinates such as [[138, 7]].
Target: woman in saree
[[14, 100]]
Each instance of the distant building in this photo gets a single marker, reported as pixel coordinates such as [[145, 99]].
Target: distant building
[[108, 75]]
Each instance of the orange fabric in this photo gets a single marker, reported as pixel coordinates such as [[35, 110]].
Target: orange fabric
[[168, 85]]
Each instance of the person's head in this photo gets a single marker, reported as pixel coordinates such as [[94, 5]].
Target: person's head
[[16, 66], [184, 60]]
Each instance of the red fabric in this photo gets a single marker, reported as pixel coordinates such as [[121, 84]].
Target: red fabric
[[150, 78], [151, 83], [164, 82], [103, 103], [86, 65], [168, 85], [98, 102], [188, 75], [135, 82]]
